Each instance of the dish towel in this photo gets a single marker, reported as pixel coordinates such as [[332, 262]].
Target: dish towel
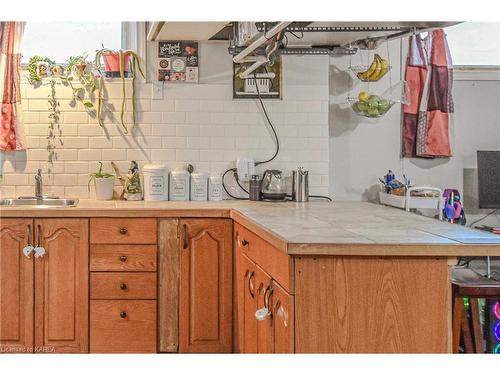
[[426, 117], [12, 137]]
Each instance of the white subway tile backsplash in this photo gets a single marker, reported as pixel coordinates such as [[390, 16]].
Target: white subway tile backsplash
[[194, 123], [75, 118], [163, 129], [187, 106], [89, 154], [112, 155], [187, 130]]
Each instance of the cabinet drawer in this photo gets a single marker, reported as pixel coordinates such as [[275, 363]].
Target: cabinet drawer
[[274, 261], [123, 285], [123, 258], [123, 326], [123, 231]]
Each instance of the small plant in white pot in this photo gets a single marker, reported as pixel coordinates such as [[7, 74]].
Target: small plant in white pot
[[104, 183]]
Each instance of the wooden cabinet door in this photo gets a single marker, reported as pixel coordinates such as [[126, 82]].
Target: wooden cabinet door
[[265, 328], [205, 309], [248, 291], [62, 286], [16, 286], [283, 319]]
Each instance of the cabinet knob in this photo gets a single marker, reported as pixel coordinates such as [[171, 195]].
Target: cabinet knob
[[244, 242], [123, 286], [123, 314], [123, 230], [123, 258]]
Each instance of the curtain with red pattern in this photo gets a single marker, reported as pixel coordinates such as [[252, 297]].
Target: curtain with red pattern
[[12, 137], [426, 117]]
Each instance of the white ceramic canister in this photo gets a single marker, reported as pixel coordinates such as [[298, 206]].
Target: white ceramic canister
[[155, 182], [179, 186], [215, 188], [199, 186]]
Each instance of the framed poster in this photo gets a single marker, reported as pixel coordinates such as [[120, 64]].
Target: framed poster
[[178, 61], [267, 79]]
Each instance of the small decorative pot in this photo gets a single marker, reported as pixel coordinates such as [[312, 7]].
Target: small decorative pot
[[42, 69], [104, 188], [56, 70], [80, 68], [112, 64]]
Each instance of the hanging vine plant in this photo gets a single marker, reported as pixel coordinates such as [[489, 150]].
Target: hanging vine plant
[[33, 68], [118, 62], [78, 68]]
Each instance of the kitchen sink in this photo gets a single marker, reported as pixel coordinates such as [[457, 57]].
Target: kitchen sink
[[41, 202]]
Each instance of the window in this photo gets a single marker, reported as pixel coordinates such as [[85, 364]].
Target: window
[[60, 40], [475, 44]]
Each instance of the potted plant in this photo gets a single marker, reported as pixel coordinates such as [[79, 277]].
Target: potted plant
[[104, 183], [76, 70], [38, 68], [122, 62]]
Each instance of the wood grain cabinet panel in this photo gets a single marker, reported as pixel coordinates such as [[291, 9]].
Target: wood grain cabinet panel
[[275, 262], [265, 327], [123, 231], [16, 286], [123, 258], [283, 320], [371, 305], [205, 285], [61, 286], [123, 326], [248, 291], [123, 285]]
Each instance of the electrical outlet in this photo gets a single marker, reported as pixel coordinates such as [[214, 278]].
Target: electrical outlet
[[245, 168]]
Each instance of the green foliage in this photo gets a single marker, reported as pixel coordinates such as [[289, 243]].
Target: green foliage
[[99, 174], [33, 67], [134, 66]]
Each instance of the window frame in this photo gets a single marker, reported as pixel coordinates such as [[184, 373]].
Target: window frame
[[133, 36]]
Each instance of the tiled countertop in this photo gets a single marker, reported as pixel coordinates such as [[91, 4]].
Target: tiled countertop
[[314, 228]]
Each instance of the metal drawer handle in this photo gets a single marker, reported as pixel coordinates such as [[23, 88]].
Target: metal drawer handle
[[39, 249], [123, 314], [186, 237], [251, 287], [123, 258], [123, 230], [28, 249], [123, 286]]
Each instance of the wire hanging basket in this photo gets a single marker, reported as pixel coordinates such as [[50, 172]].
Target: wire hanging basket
[[374, 72], [368, 103]]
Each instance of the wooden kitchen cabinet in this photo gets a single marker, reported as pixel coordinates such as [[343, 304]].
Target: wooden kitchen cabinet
[[283, 318], [123, 285], [16, 286], [62, 286], [44, 301], [257, 289], [205, 308]]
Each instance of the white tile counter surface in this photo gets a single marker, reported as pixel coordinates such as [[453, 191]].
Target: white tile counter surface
[[313, 228]]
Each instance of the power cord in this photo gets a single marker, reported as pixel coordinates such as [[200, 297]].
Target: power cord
[[234, 170], [484, 217]]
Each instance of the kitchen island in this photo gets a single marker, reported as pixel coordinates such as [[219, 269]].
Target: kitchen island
[[343, 277]]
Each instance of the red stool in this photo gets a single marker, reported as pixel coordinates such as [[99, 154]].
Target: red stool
[[468, 284]]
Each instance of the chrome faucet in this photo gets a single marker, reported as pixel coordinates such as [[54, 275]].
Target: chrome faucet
[[39, 185]]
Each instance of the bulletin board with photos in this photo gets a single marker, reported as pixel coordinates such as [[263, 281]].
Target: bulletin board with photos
[[178, 61]]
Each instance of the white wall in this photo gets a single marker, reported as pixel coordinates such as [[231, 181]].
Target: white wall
[[196, 123], [364, 149]]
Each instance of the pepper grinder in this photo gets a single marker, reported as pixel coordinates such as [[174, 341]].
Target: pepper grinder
[[254, 187]]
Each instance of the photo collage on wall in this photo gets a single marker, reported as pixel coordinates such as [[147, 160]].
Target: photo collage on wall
[[178, 61]]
